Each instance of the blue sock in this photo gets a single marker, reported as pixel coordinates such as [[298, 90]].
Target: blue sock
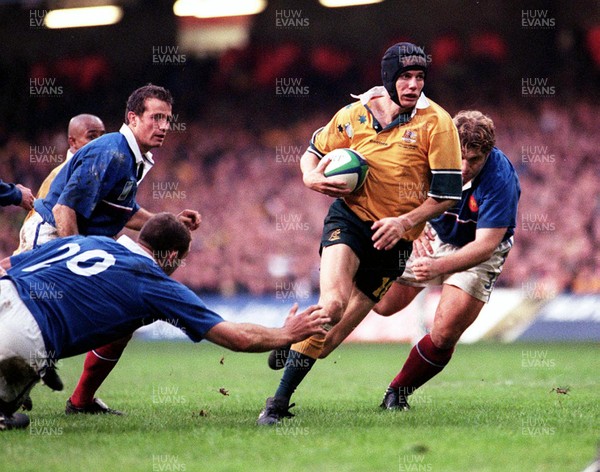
[[296, 368]]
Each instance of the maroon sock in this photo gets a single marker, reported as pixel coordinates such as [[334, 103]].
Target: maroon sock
[[424, 362], [98, 364]]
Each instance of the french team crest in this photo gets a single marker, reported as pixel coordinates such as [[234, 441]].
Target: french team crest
[[409, 137], [473, 206]]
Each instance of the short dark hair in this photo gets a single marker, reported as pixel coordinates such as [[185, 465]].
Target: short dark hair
[[476, 131], [164, 233], [137, 100]]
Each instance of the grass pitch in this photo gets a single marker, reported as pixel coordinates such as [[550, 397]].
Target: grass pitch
[[519, 407]]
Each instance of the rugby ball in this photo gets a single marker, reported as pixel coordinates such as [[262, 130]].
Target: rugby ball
[[349, 166]]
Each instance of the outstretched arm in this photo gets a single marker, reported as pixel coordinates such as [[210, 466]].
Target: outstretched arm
[[190, 218], [249, 337]]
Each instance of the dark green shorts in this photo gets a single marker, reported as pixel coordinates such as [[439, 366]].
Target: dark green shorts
[[377, 269]]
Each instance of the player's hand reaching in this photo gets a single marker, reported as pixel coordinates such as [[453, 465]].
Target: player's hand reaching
[[306, 323], [425, 268], [27, 197], [190, 218], [422, 245], [315, 180], [388, 231]]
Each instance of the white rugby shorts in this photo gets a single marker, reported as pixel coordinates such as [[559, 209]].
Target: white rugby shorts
[[20, 334], [35, 232], [20, 337], [478, 281]]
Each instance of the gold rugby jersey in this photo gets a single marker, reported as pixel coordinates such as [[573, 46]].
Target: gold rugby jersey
[[42, 192], [45, 187], [414, 157]]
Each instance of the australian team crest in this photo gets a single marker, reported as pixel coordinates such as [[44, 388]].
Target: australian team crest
[[409, 136]]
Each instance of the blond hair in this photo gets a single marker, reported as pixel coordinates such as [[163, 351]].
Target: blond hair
[[476, 130]]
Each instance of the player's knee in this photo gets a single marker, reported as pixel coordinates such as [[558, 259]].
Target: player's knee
[[444, 338], [327, 349], [113, 350], [384, 309], [334, 307]]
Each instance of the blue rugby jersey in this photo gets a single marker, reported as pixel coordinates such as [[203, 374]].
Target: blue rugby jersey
[[488, 201], [100, 183], [85, 292]]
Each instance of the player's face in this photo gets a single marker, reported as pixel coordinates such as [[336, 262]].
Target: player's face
[[473, 161], [409, 86], [91, 130], [150, 128]]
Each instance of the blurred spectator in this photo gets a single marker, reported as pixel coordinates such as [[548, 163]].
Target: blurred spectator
[[331, 62], [447, 49], [593, 44]]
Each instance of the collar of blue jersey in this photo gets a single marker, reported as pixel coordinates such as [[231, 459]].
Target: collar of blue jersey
[[144, 159], [380, 91], [130, 244]]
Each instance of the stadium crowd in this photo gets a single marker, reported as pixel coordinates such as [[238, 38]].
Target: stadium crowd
[[243, 119], [260, 226]]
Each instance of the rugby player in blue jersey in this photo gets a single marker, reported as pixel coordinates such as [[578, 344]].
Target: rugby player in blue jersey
[[95, 194], [77, 293], [463, 250]]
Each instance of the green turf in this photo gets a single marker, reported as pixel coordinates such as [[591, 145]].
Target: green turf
[[492, 409]]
